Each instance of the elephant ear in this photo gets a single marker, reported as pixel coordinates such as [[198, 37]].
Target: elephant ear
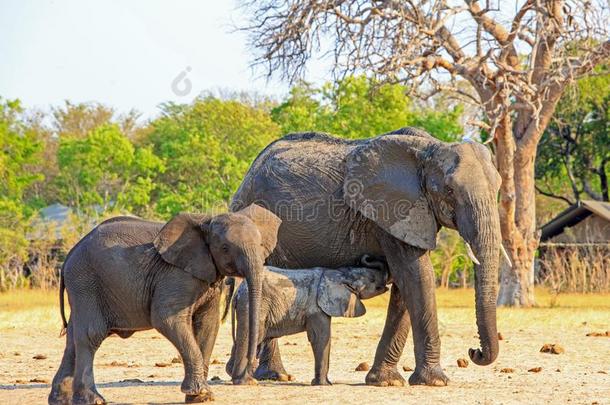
[[335, 299], [181, 243], [268, 225], [384, 183]]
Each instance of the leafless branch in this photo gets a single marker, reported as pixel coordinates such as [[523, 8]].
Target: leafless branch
[[551, 195], [517, 65]]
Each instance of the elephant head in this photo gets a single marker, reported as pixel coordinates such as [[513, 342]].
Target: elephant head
[[340, 291], [410, 184], [233, 244]]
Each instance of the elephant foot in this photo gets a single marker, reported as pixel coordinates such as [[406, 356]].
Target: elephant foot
[[385, 377], [285, 377], [202, 397], [248, 380], [265, 371], [60, 398], [432, 376], [229, 366], [272, 375], [195, 387], [320, 381], [88, 397], [61, 394]]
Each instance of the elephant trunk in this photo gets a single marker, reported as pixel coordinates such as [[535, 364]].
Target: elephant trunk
[[254, 282], [479, 225]]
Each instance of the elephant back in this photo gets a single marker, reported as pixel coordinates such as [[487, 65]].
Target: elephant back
[[300, 178]]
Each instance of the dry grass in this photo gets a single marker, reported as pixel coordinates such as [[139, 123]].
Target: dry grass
[[545, 298], [576, 269], [24, 299], [20, 300]]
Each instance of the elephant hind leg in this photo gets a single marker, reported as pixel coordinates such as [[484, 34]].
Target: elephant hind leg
[[61, 387], [270, 365], [90, 329], [389, 350]]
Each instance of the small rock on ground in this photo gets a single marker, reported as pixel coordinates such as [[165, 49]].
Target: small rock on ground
[[462, 363], [552, 348]]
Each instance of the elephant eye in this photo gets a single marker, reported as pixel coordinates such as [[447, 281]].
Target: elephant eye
[[225, 248]]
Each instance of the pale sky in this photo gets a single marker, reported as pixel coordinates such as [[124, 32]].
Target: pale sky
[[125, 54]]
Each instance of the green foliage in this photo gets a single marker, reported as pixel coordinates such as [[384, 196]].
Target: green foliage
[[105, 169], [19, 150], [207, 147], [573, 155], [77, 120], [359, 107], [451, 264]]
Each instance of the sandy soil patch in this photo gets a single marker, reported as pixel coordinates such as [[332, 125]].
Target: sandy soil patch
[[126, 372]]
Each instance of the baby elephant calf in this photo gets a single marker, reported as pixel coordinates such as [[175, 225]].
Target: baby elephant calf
[[295, 301]]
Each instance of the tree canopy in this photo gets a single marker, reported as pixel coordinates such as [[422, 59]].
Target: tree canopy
[[573, 157], [358, 107]]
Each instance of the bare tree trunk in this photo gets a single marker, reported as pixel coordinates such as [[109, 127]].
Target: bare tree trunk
[[603, 180], [445, 277], [517, 216], [464, 276]]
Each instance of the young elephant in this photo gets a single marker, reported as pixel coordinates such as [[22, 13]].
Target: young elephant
[[295, 301], [129, 275]]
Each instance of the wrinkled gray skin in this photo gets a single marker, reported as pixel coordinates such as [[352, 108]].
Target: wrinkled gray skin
[[129, 274], [295, 301], [387, 196]]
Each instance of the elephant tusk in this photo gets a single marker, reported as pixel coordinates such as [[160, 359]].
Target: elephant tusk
[[471, 254], [506, 256]]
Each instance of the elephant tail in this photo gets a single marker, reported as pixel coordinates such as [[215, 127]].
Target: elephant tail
[[374, 262], [377, 262], [62, 288]]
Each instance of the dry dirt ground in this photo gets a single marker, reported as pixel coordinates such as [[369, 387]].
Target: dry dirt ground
[[126, 373]]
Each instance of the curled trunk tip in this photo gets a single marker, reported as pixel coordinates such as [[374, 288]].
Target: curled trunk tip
[[480, 359]]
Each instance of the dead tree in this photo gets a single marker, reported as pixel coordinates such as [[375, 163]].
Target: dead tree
[[518, 58]]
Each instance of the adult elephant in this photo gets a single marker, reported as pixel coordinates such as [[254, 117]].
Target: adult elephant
[[388, 195]]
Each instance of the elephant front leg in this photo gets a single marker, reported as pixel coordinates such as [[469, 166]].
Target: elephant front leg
[[206, 322], [179, 331], [318, 334], [384, 371], [240, 372], [416, 282]]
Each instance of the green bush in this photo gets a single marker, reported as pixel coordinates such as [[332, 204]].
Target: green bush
[[207, 148]]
